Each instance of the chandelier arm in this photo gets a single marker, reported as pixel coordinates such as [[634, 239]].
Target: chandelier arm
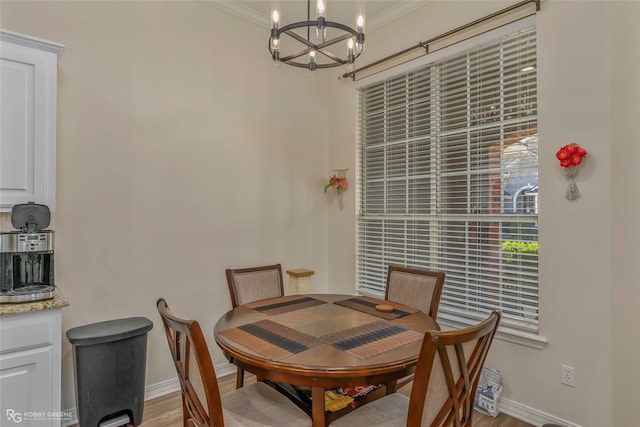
[[332, 24], [329, 65], [300, 24], [331, 56], [302, 40], [339, 61], [318, 48], [289, 61], [306, 65], [341, 27], [298, 64], [334, 41], [295, 25], [288, 58]]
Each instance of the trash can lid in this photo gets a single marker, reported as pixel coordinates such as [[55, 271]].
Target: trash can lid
[[109, 331]]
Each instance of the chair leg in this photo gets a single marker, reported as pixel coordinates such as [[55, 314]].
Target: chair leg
[[240, 378], [185, 413]]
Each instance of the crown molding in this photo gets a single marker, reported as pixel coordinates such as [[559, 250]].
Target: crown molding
[[404, 8], [373, 23], [239, 11]]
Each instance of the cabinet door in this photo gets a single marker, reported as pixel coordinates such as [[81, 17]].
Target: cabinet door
[[25, 388], [28, 79], [30, 368]]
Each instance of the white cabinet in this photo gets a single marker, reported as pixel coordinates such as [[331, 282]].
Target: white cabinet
[[28, 87], [30, 368]]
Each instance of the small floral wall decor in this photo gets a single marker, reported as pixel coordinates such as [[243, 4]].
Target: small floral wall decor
[[570, 157], [338, 180]]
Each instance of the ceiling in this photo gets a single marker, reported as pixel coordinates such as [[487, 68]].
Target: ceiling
[[377, 12]]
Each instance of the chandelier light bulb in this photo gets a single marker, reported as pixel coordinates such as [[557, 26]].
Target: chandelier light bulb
[[350, 56], [275, 36], [321, 29], [312, 60], [320, 8], [275, 44], [360, 28]]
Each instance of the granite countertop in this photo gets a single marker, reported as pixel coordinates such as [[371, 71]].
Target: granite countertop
[[58, 301]]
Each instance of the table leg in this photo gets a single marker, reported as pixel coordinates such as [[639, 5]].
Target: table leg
[[317, 406], [392, 386]]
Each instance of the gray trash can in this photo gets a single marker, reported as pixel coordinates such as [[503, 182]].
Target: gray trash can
[[110, 365]]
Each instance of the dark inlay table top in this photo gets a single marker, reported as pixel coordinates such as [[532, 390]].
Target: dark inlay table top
[[319, 342]]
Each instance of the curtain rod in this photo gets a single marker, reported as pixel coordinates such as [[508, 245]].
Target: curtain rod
[[425, 44]]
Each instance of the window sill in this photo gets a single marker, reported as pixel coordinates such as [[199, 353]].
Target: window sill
[[505, 333]]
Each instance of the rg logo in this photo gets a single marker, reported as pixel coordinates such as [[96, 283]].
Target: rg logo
[[14, 416]]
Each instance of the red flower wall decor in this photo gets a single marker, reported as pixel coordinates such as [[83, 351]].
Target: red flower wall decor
[[570, 157], [338, 180]]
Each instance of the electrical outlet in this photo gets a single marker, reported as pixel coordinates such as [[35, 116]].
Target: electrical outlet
[[567, 375]]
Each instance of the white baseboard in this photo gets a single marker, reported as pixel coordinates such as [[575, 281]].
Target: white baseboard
[[162, 388], [517, 410], [531, 415]]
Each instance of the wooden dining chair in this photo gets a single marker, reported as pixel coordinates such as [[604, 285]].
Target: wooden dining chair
[[253, 284], [444, 389], [416, 288], [202, 406]]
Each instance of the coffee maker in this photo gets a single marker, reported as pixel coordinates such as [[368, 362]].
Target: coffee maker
[[26, 256]]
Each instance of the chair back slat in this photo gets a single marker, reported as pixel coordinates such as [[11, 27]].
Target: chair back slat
[[415, 287], [201, 402], [252, 284], [447, 375], [463, 386]]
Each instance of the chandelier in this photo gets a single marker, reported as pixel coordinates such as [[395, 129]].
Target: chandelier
[[320, 52]]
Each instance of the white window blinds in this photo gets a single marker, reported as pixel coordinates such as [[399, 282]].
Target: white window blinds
[[448, 168]]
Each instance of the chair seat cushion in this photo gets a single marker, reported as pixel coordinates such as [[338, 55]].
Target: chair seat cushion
[[390, 411], [257, 405]]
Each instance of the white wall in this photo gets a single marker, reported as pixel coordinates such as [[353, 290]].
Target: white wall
[[589, 299], [341, 230], [175, 162], [625, 307], [181, 152]]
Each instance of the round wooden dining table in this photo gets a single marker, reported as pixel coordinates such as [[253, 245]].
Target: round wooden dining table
[[324, 341]]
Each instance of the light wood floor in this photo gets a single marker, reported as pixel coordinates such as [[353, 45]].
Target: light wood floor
[[166, 411]]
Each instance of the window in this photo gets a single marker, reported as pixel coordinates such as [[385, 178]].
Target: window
[[448, 168]]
